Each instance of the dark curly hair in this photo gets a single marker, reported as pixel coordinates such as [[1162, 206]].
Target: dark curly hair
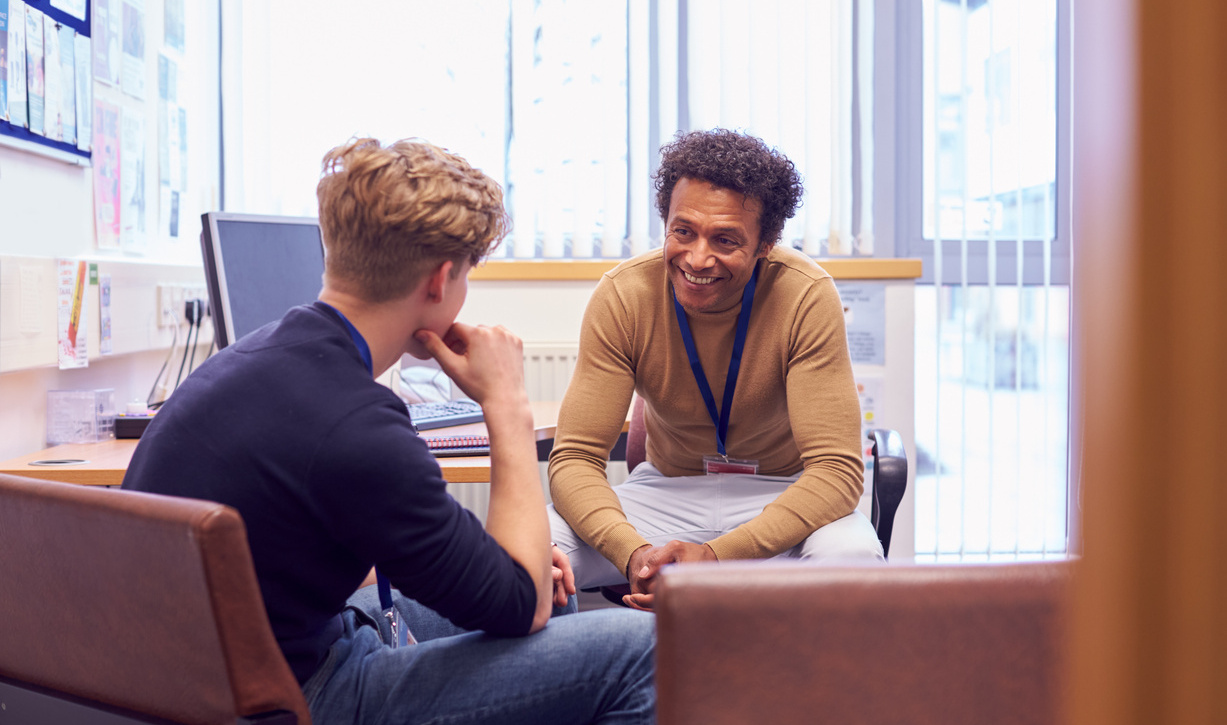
[[735, 161]]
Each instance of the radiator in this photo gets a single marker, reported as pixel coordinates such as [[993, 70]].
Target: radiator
[[547, 371], [548, 368]]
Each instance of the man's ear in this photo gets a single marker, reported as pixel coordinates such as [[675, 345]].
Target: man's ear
[[436, 281]]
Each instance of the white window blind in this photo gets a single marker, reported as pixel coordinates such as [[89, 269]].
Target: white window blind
[[992, 329], [566, 102]]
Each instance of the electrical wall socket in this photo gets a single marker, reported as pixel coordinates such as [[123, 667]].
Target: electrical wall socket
[[172, 299], [167, 314]]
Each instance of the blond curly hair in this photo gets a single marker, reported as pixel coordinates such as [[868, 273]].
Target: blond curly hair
[[388, 213]]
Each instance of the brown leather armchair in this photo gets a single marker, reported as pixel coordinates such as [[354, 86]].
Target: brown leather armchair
[[789, 642], [119, 606]]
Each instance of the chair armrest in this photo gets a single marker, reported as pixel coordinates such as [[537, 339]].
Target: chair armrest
[[889, 481]]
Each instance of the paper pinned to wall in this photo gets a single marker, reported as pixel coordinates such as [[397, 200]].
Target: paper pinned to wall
[[106, 156], [132, 217], [84, 92], [133, 68], [105, 346], [71, 313], [865, 320], [104, 31]]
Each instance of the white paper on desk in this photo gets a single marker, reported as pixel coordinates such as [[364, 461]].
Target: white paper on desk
[[71, 312], [132, 187], [133, 68], [84, 93], [53, 117]]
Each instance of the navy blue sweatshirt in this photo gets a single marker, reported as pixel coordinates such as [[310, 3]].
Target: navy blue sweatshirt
[[287, 426]]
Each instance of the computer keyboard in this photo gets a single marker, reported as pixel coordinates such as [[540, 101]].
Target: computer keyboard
[[427, 416]]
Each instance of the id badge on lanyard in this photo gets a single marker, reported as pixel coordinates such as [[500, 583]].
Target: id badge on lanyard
[[722, 463], [719, 464]]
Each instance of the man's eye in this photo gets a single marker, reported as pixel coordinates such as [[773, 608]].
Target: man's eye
[[681, 232]]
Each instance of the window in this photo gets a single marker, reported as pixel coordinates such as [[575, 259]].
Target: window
[[985, 119], [564, 102]]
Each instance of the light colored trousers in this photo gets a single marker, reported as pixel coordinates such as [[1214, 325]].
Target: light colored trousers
[[697, 509]]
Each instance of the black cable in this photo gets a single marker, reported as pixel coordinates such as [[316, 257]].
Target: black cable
[[183, 362], [149, 399], [198, 321]]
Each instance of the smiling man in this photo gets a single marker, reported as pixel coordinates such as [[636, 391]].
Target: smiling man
[[737, 347]]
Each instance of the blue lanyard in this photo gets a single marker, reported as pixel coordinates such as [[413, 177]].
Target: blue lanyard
[[364, 349], [719, 419], [381, 581]]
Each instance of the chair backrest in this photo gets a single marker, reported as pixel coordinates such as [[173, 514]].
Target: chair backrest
[[889, 469], [137, 601], [871, 645]]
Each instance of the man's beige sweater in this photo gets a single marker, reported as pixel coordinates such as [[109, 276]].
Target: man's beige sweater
[[795, 405]]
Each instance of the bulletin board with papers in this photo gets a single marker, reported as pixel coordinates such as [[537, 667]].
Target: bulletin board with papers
[[45, 78]]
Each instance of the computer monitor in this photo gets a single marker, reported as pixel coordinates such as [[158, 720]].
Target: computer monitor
[[257, 267]]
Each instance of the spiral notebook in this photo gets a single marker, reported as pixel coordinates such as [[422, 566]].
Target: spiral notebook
[[458, 445]]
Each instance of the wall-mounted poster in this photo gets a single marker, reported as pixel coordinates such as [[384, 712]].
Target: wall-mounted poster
[[18, 105], [132, 210], [68, 86], [172, 14], [53, 118], [133, 68], [106, 174], [35, 77], [104, 30], [85, 92], [4, 60]]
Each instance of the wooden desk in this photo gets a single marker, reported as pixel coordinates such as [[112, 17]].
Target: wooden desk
[[104, 464]]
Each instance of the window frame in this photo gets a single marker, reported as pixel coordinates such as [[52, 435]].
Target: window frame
[[908, 65]]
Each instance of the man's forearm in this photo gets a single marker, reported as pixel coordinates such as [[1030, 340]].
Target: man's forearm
[[516, 517]]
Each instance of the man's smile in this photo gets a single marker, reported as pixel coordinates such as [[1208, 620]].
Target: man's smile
[[698, 280]]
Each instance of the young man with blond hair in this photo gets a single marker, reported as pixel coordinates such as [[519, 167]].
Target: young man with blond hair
[[289, 427]]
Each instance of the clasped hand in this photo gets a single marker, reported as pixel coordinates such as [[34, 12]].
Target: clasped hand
[[646, 563]]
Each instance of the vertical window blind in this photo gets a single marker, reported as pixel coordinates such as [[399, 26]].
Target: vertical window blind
[[565, 102], [993, 335]]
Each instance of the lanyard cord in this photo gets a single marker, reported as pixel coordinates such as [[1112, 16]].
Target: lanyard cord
[[719, 419]]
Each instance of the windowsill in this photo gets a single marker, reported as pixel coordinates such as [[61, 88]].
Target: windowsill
[[592, 269]]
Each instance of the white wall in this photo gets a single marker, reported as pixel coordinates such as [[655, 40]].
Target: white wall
[[46, 212]]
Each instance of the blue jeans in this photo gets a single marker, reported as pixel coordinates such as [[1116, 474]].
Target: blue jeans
[[595, 667]]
